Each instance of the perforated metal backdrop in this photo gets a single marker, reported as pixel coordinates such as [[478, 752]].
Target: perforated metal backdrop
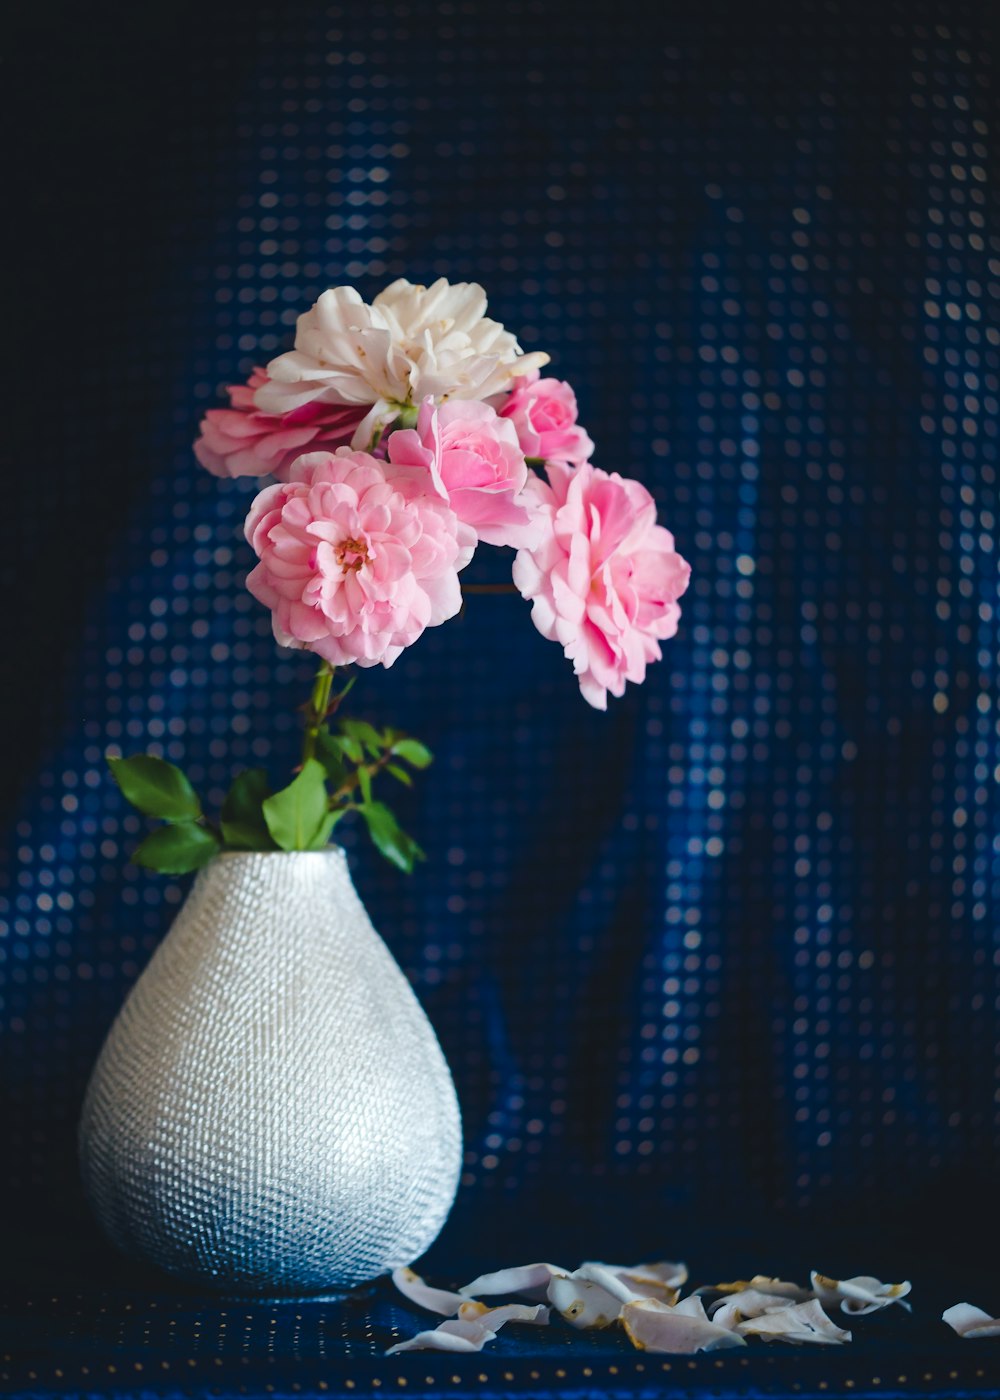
[[730, 948]]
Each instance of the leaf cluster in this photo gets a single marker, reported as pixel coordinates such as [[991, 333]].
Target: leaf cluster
[[337, 779]]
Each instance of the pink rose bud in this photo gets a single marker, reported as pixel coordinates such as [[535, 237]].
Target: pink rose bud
[[468, 456], [543, 411]]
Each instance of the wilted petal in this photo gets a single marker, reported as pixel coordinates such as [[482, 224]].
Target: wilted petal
[[476, 1326], [660, 1275], [969, 1321], [436, 1300], [610, 1278], [583, 1303], [537, 1315], [654, 1326], [777, 1287], [734, 1308], [802, 1322], [857, 1295], [631, 1281], [530, 1280], [454, 1335]]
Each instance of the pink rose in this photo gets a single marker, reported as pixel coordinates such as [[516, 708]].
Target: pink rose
[[605, 580], [544, 413], [243, 441], [470, 458], [353, 567]]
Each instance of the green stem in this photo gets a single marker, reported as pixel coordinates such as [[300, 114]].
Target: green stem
[[374, 767], [319, 703]]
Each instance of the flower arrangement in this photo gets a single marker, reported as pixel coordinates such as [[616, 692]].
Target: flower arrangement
[[402, 435]]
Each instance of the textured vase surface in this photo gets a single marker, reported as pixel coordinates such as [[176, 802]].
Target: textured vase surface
[[271, 1111]]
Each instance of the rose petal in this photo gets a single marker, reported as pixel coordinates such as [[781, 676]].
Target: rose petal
[[662, 1275], [436, 1300], [608, 1277], [776, 1287], [969, 1321], [735, 1308], [454, 1335], [857, 1295], [654, 1326], [582, 1302], [471, 1331], [630, 1281], [802, 1322], [537, 1315], [531, 1280]]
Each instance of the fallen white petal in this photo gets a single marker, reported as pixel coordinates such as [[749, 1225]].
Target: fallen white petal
[[692, 1307], [969, 1321], [436, 1300], [537, 1314], [774, 1287], [582, 1302], [454, 1335], [532, 1280], [666, 1274], [858, 1295], [608, 1277], [654, 1326], [475, 1326], [631, 1281], [735, 1308], [802, 1322], [778, 1288]]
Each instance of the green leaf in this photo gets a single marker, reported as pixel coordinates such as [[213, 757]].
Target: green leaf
[[365, 783], [326, 826], [414, 752], [350, 747], [243, 824], [365, 734], [155, 787], [176, 849], [330, 754], [400, 774], [398, 848], [294, 814]]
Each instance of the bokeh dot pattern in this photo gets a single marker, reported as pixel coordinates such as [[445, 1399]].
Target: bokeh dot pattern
[[730, 946]]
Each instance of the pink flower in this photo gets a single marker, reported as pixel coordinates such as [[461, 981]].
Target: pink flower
[[243, 441], [544, 413], [352, 566], [470, 457], [605, 580]]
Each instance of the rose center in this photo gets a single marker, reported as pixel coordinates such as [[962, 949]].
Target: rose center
[[351, 554]]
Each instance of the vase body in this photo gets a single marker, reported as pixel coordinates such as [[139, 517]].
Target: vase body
[[271, 1112]]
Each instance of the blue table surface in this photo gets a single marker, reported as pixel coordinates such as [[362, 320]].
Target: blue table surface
[[76, 1319]]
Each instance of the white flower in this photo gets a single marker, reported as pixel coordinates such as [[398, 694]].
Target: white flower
[[411, 342]]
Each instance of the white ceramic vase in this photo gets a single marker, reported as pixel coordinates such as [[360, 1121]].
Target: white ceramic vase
[[271, 1112]]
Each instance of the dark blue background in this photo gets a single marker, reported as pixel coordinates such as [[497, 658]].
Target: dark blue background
[[714, 970]]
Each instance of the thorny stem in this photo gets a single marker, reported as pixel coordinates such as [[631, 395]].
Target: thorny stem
[[316, 710], [373, 768]]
